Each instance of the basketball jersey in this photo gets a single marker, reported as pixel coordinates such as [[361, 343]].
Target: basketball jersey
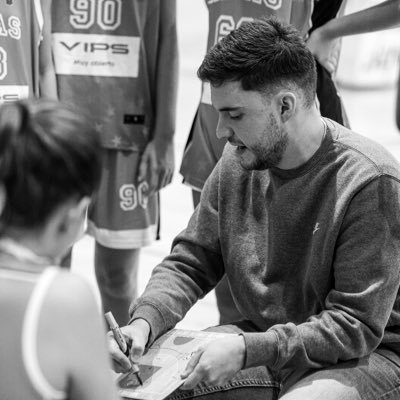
[[21, 23], [22, 293], [105, 55]]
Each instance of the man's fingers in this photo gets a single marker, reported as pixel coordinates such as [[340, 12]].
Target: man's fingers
[[136, 352], [191, 374], [142, 171], [190, 366], [116, 366], [167, 178], [161, 180], [153, 180], [120, 361], [191, 381]]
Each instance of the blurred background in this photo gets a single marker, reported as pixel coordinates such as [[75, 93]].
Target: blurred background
[[367, 80]]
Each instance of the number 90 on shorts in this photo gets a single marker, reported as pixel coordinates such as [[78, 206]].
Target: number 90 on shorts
[[123, 216]]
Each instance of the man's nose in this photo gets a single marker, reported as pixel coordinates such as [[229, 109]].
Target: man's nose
[[223, 131]]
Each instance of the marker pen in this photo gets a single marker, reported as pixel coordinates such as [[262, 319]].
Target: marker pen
[[119, 338]]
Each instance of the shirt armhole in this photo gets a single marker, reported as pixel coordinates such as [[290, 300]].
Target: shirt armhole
[[29, 338], [39, 15]]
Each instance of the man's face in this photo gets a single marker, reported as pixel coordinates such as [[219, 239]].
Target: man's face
[[247, 120]]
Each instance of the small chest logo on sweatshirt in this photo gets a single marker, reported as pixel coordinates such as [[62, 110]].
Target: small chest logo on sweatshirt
[[316, 228]]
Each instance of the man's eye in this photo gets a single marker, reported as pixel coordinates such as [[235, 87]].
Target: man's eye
[[235, 116]]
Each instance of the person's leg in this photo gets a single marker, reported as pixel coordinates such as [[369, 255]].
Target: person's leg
[[122, 220], [257, 383], [375, 377], [116, 273], [249, 384]]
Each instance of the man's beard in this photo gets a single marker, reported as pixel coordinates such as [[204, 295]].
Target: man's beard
[[269, 153]]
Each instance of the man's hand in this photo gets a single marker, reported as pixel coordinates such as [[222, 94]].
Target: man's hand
[[136, 335], [216, 362], [157, 165], [325, 49]]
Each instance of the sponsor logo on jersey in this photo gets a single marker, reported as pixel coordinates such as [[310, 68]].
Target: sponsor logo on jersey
[[96, 55], [93, 47]]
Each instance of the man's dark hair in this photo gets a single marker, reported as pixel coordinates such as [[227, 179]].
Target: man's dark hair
[[263, 54]]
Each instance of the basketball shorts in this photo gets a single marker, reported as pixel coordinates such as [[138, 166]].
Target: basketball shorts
[[203, 148], [122, 215]]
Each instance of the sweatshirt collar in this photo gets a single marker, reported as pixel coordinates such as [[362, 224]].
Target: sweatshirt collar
[[314, 160]]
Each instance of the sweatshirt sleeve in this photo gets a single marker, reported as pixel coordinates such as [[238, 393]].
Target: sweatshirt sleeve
[[192, 269], [365, 285]]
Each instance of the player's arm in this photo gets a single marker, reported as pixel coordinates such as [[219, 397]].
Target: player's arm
[[47, 75], [157, 162], [323, 40], [382, 16], [78, 342]]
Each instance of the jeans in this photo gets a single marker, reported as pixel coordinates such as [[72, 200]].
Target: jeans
[[374, 377]]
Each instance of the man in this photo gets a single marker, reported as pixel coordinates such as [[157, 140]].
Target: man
[[303, 217], [118, 62], [203, 148], [26, 67]]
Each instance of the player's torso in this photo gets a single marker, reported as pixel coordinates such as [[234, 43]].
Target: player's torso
[[106, 57], [20, 30]]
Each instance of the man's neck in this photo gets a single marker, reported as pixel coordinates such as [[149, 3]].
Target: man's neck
[[306, 133]]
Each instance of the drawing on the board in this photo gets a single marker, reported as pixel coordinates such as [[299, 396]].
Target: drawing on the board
[[180, 340], [162, 364]]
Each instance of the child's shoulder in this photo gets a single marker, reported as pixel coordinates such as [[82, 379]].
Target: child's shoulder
[[71, 293], [69, 317]]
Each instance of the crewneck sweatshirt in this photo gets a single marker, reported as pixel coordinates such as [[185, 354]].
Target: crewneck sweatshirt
[[311, 254]]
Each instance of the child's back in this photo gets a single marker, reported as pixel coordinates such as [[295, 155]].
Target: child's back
[[52, 338]]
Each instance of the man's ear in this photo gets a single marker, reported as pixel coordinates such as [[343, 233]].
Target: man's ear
[[286, 102]]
